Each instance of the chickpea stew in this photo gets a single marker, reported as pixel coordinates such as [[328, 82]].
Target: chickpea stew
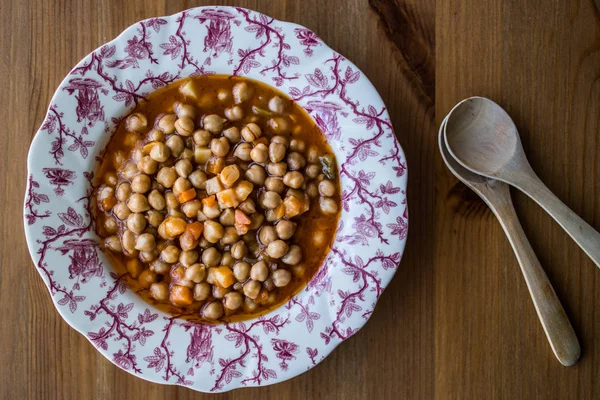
[[219, 198]]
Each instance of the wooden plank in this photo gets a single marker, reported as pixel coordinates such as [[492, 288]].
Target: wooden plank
[[540, 61], [42, 358]]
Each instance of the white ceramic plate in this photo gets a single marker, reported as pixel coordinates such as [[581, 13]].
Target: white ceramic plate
[[83, 113]]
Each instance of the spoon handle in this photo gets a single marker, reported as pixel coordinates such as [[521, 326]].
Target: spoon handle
[[580, 231], [552, 316]]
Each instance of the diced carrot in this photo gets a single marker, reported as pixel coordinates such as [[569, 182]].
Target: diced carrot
[[242, 218], [209, 201], [223, 276], [195, 228], [241, 229], [187, 195], [181, 295]]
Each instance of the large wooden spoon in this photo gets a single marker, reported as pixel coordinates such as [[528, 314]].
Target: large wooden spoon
[[483, 138], [552, 316]]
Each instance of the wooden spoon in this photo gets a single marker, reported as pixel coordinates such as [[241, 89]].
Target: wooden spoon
[[482, 137], [496, 195]]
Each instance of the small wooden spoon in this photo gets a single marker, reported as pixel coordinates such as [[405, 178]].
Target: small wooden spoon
[[496, 194], [483, 138]]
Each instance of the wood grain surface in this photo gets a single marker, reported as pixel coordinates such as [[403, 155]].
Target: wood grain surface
[[456, 321]]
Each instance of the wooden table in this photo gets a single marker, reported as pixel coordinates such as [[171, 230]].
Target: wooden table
[[456, 322]]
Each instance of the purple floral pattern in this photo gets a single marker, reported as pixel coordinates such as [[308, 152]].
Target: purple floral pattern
[[164, 348]]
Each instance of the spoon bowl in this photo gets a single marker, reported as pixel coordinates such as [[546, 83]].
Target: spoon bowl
[[483, 138]]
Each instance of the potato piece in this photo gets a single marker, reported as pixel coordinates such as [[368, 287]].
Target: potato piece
[[202, 154], [293, 206], [213, 186], [181, 295], [243, 190], [223, 276], [227, 199]]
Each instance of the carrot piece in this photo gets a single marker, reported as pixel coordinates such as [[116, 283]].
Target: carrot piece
[[241, 229], [195, 229], [181, 295], [242, 218], [223, 276], [187, 195], [209, 201]]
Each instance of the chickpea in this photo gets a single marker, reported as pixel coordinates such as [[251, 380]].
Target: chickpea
[[234, 113], [137, 154], [251, 132], [136, 223], [131, 169], [188, 257], [220, 146], [230, 235], [274, 184], [111, 225], [160, 267], [268, 284], [297, 145], [242, 151], [326, 188], [170, 254], [213, 231], [293, 179], [241, 270], [233, 134], [176, 145], [201, 291], [187, 154], [146, 164], [121, 211], [123, 191], [328, 205], [256, 174], [191, 208], [184, 110], [313, 155], [219, 292], [227, 217], [227, 259], [141, 183], [213, 310], [184, 168], [160, 152], [166, 123], [311, 190], [239, 250], [148, 256], [195, 273], [257, 221], [270, 200], [279, 125], [184, 126], [147, 278], [181, 185], [259, 271], [134, 267], [118, 159], [211, 212], [281, 277], [113, 244], [156, 200], [277, 105], [251, 289], [159, 291], [295, 161], [145, 242], [241, 92], [138, 203], [249, 305], [293, 256], [198, 179], [202, 137], [285, 229], [247, 206], [110, 178], [277, 249], [312, 171], [224, 95], [213, 123], [211, 257], [155, 136], [281, 140], [233, 300], [136, 122], [171, 200], [276, 152], [128, 241], [260, 153], [267, 234], [154, 218]]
